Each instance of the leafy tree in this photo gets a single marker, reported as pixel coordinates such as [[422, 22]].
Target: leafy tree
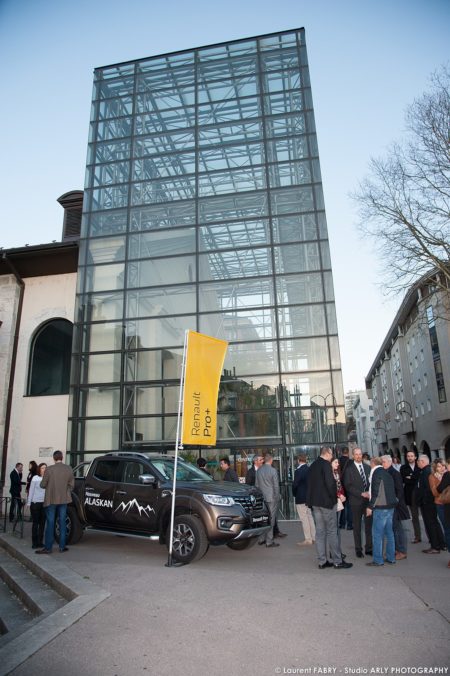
[[404, 203]]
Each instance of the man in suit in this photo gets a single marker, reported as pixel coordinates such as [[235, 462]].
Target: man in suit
[[401, 514], [15, 490], [268, 483], [299, 490], [410, 476], [321, 497], [345, 517], [58, 482], [258, 461], [356, 485], [425, 500]]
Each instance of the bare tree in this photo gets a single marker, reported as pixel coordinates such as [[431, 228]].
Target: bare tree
[[404, 203]]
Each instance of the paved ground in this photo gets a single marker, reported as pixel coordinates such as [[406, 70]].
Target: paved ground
[[262, 612]]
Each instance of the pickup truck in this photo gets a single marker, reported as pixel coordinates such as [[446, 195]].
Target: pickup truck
[[130, 493]]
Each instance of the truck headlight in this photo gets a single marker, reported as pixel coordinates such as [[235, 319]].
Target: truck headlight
[[222, 500]]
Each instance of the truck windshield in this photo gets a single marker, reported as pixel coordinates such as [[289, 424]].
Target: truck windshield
[[185, 471]]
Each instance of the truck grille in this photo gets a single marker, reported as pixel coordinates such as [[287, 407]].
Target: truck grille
[[249, 504]]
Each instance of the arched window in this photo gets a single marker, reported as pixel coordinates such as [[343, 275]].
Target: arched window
[[49, 371]]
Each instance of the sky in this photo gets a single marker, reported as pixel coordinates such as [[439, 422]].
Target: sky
[[368, 61]]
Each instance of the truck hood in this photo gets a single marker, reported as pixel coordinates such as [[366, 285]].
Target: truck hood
[[215, 487]]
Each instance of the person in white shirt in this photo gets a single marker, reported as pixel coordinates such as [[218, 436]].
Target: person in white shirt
[[35, 502]]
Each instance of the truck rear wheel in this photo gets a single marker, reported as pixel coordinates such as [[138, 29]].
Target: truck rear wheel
[[74, 529], [190, 542], [240, 545]]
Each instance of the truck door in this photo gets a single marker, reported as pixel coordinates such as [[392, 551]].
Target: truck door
[[135, 504], [99, 491]]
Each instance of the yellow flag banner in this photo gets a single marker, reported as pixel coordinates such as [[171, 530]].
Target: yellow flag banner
[[204, 363]]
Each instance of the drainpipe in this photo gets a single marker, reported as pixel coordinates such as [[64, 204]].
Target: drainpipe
[[12, 372]]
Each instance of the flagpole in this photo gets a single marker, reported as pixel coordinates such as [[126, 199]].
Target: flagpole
[[177, 445]]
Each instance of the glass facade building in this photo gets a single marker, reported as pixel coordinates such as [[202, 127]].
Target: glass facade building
[[204, 210]]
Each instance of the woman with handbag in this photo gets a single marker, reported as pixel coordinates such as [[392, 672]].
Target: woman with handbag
[[443, 490]]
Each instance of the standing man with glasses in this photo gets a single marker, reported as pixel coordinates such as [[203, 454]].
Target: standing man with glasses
[[356, 484], [58, 482]]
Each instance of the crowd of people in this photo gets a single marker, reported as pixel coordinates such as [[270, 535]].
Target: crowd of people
[[48, 492]]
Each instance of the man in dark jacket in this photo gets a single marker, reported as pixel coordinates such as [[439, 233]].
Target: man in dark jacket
[[401, 514], [410, 476], [299, 490], [425, 500], [321, 497], [258, 461], [15, 490], [345, 516], [225, 466], [382, 502], [356, 484]]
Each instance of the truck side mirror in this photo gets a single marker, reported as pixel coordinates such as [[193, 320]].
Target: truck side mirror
[[147, 479]]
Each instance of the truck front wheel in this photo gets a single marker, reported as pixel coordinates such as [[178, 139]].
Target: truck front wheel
[[190, 542], [74, 529]]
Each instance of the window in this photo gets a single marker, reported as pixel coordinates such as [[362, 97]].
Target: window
[[106, 470], [49, 371], [131, 472]]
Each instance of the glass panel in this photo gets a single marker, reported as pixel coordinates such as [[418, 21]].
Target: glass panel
[[299, 289], [115, 108], [308, 320], [153, 244], [163, 216], [161, 271], [339, 393], [229, 133], [236, 295], [171, 97], [99, 401], [297, 258], [282, 103], [321, 219], [301, 430], [287, 125], [237, 394], [109, 173], [230, 157], [158, 332], [331, 317], [248, 325], [221, 90], [301, 388], [243, 358], [304, 354], [281, 81], [227, 67], [229, 264], [151, 400], [101, 435], [109, 152], [167, 63], [107, 223], [328, 283], [290, 200], [231, 181], [283, 149], [99, 337], [235, 206], [325, 251], [163, 144], [291, 173], [226, 51], [228, 111], [153, 364], [112, 129], [292, 228], [162, 191], [114, 71], [153, 429], [107, 89], [105, 250], [101, 368], [263, 425], [163, 166], [162, 120], [277, 43], [110, 197], [280, 59], [105, 277], [100, 307], [334, 351], [169, 300], [234, 235]]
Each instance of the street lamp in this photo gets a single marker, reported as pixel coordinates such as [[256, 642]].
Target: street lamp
[[327, 406], [404, 406]]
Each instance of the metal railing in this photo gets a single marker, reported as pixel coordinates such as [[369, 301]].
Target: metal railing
[[12, 525]]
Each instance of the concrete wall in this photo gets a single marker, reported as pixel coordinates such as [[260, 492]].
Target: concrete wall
[[9, 296]]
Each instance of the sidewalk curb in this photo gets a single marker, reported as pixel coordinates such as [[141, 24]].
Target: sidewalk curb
[[82, 596]]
